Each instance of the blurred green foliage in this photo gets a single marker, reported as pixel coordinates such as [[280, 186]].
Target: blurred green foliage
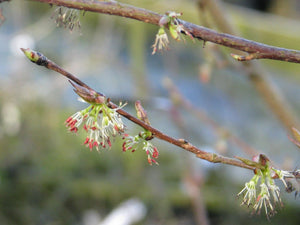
[[48, 177]]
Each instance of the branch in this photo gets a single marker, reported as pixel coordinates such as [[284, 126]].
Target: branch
[[273, 98], [41, 60], [254, 49]]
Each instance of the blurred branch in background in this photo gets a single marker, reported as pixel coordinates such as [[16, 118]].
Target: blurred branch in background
[[192, 179], [137, 40], [223, 134], [269, 93]]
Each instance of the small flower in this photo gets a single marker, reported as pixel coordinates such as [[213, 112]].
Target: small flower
[[275, 193], [269, 194], [132, 143], [152, 152], [161, 41], [249, 191], [171, 22], [263, 200], [74, 121], [100, 122]]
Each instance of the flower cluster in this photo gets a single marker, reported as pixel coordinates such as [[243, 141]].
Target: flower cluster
[[269, 193], [132, 143], [100, 122], [171, 22]]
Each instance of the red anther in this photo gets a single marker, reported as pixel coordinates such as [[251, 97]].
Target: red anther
[[74, 129], [91, 144], [155, 153], [85, 127], [109, 142], [95, 144], [69, 119], [86, 140], [154, 161]]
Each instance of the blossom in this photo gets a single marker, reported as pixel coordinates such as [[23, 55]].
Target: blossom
[[132, 143], [263, 200], [161, 41], [269, 193], [249, 191], [100, 122], [152, 152], [171, 22], [74, 121]]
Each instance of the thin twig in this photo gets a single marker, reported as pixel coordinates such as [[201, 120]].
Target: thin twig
[[41, 60], [202, 33]]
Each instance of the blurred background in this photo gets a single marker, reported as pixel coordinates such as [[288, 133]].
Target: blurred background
[[47, 175]]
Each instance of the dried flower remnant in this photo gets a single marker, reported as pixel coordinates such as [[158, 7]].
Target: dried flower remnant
[[292, 181], [67, 18]]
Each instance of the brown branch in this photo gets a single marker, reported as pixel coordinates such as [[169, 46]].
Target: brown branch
[[199, 32], [41, 60]]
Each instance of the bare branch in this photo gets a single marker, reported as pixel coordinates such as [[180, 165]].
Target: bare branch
[[260, 51]]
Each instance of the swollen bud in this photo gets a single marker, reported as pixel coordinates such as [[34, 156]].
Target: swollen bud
[[35, 57], [88, 95], [141, 112]]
